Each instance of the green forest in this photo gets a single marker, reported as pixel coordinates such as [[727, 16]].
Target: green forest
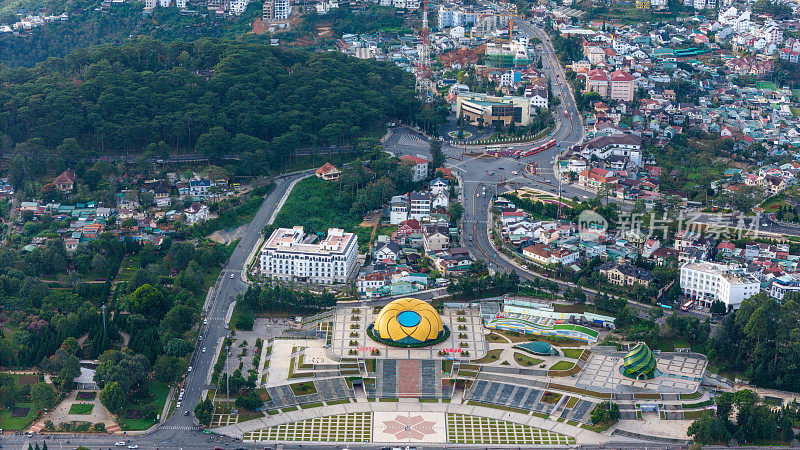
[[761, 341], [89, 25], [259, 102]]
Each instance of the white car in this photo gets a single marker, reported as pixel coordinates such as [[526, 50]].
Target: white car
[[120, 444], [231, 276], [204, 349], [133, 446], [205, 321]]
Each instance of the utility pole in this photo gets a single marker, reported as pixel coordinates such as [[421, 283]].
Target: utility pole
[[227, 376]]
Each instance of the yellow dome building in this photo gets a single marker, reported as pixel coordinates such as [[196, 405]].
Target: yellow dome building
[[408, 322]]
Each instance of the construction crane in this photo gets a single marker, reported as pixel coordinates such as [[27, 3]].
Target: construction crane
[[510, 17], [423, 85]]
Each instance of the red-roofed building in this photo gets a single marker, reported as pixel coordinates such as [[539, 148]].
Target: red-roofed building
[[410, 226], [597, 81], [328, 172], [419, 167], [621, 86], [508, 217], [66, 181], [593, 179]]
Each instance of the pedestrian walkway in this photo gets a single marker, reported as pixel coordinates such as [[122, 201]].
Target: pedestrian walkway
[[411, 140]]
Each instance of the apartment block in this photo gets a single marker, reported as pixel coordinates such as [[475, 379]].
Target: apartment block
[[277, 10]]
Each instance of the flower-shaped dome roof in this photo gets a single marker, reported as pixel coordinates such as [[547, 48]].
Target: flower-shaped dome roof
[[408, 320]]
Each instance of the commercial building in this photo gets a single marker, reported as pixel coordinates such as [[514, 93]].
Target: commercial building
[[291, 255], [619, 85], [706, 282], [456, 16], [487, 110], [628, 146], [277, 10]]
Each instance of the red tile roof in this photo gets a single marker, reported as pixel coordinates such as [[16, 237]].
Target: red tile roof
[[414, 159]]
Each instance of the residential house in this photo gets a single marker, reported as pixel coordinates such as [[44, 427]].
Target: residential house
[[388, 251], [328, 172], [419, 167], [199, 188], [66, 181], [195, 213], [622, 274], [435, 238]]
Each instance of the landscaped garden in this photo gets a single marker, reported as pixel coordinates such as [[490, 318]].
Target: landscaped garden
[[140, 414], [86, 396], [525, 360], [23, 412], [303, 388]]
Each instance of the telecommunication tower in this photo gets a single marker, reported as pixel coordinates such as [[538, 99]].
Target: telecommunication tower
[[423, 85]]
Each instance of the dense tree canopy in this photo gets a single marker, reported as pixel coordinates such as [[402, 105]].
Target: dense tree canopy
[[257, 100], [762, 340]]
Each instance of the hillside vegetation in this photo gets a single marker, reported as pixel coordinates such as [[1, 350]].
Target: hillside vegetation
[[255, 100]]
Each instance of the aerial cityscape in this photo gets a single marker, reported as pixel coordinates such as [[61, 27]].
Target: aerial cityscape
[[399, 224]]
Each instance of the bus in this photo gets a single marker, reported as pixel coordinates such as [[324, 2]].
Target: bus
[[534, 150], [687, 306]]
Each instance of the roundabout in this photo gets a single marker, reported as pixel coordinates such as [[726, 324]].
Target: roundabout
[[464, 135]]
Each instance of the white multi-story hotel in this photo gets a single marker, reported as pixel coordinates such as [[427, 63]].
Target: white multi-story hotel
[[289, 256], [706, 282]]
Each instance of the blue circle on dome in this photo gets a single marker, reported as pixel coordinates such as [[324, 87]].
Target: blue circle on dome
[[409, 318]]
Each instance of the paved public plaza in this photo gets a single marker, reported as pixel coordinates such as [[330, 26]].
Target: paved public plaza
[[409, 427], [350, 338], [678, 373]]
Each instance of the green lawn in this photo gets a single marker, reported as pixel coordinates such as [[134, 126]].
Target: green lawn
[[317, 205], [768, 85], [151, 409], [562, 365], [303, 388], [491, 356], [17, 423], [573, 353], [525, 360], [81, 408]]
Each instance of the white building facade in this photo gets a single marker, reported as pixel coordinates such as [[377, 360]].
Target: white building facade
[[286, 256], [705, 282]]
